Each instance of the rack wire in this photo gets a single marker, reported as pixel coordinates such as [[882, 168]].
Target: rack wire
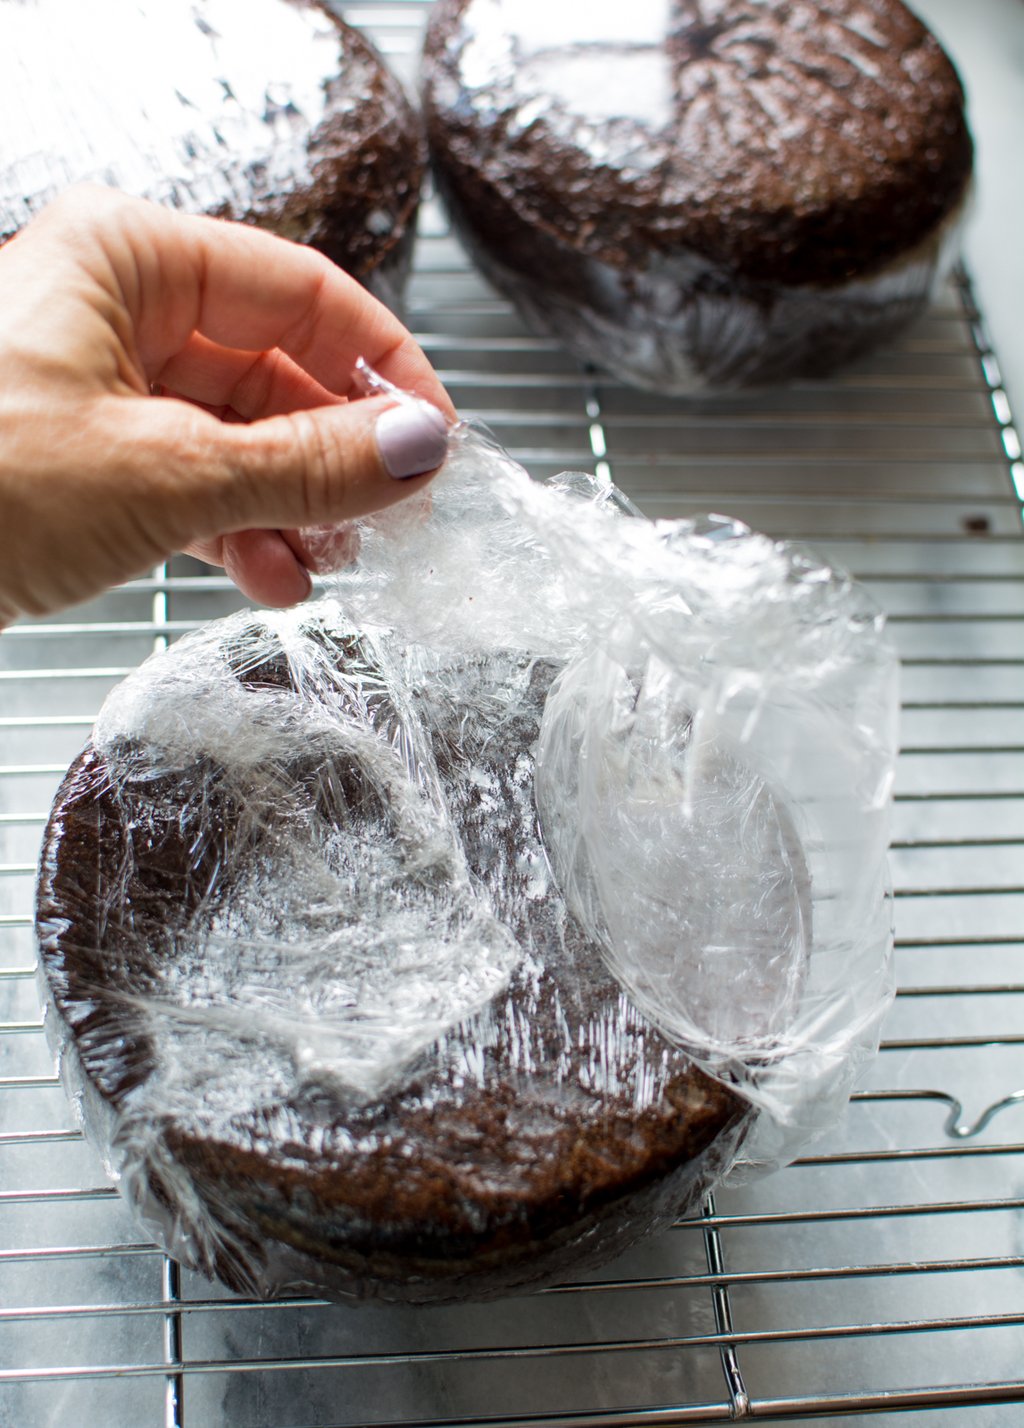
[[882, 1274]]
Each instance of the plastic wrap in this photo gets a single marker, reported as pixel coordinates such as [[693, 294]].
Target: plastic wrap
[[700, 193], [274, 112], [679, 324], [454, 931]]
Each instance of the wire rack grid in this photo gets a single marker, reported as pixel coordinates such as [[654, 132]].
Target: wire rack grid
[[883, 1274]]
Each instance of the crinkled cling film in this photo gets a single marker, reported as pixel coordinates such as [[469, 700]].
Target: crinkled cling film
[[701, 196], [448, 934]]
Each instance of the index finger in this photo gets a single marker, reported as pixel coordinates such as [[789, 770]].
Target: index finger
[[244, 288]]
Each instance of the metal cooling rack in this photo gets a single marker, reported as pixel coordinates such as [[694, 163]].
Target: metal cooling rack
[[881, 1275]]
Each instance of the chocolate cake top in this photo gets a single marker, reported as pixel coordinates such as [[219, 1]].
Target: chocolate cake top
[[791, 140], [270, 111]]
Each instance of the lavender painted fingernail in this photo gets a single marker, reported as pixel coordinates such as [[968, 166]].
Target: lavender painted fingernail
[[413, 438]]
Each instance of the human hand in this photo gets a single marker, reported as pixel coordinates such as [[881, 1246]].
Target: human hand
[[105, 300]]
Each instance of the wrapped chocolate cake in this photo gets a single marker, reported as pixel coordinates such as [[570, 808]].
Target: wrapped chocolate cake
[[273, 112], [448, 935], [701, 192]]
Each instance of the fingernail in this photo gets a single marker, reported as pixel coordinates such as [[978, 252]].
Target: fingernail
[[413, 438]]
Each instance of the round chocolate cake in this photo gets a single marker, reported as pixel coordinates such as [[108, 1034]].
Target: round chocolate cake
[[693, 192], [273, 112], [318, 996]]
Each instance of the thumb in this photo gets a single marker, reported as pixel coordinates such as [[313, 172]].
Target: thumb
[[316, 467]]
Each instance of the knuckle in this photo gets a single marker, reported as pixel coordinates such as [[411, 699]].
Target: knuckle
[[187, 481], [320, 462], [301, 336]]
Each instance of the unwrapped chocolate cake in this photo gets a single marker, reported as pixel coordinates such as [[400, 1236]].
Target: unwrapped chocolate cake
[[701, 192], [272, 112]]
